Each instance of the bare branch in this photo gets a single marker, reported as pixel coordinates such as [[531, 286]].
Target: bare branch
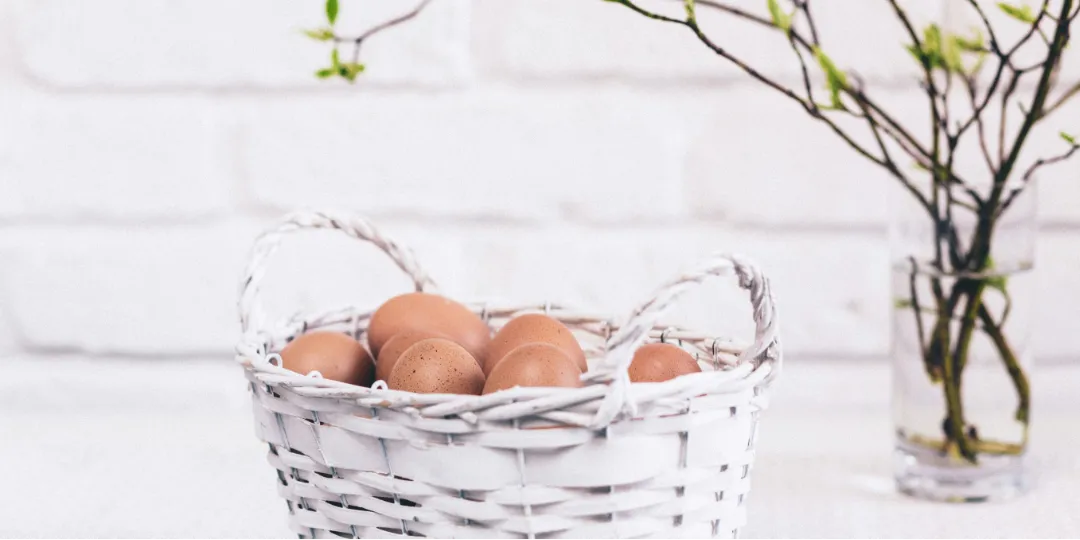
[[1033, 30], [892, 127], [969, 85], [1004, 119], [930, 87], [745, 15], [995, 46], [385, 25], [1030, 174], [1061, 37], [650, 14], [811, 108], [803, 68], [1050, 161], [1069, 94], [804, 5], [890, 165]]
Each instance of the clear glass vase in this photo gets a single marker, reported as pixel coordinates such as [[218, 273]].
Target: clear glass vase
[[963, 295]]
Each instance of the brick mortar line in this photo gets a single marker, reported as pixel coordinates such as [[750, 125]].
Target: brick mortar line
[[225, 356], [478, 82], [809, 227]]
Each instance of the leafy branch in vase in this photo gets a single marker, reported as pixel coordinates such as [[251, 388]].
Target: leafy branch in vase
[[952, 67], [971, 84]]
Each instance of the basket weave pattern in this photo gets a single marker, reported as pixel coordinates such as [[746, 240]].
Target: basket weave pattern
[[609, 460]]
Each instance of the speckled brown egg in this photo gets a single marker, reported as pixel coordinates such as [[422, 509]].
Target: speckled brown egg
[[533, 328], [432, 313], [657, 362], [392, 349], [437, 366], [335, 356], [534, 364]]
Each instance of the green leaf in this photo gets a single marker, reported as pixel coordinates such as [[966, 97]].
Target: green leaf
[[335, 60], [973, 44], [932, 38], [331, 11], [779, 18], [1020, 13], [326, 73], [320, 34], [915, 53], [834, 78], [350, 70], [950, 56], [936, 52], [1071, 139], [932, 47], [902, 303]]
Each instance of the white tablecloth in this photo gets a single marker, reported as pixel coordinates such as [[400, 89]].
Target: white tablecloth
[[125, 449]]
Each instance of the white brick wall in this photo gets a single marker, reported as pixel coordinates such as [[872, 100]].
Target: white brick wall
[[246, 45], [507, 155], [527, 149], [112, 157]]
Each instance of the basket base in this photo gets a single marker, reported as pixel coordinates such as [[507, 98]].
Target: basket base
[[925, 473]]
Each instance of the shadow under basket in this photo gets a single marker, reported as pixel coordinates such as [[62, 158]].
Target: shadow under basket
[[611, 459]]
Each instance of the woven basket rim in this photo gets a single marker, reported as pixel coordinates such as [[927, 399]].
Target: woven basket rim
[[753, 365]]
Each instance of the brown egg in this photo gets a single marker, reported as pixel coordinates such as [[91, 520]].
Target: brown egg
[[437, 366], [432, 313], [334, 355], [533, 328], [392, 349], [534, 364], [656, 362]]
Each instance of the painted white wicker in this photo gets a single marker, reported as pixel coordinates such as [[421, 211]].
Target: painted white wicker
[[609, 460]]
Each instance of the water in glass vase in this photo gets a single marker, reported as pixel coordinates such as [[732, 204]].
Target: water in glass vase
[[961, 396]]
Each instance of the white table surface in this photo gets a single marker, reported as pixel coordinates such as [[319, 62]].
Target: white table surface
[[166, 449]]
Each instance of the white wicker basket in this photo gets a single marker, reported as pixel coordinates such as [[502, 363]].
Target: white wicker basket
[[609, 460]]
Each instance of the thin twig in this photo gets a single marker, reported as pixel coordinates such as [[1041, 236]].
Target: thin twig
[[890, 165], [1061, 38], [385, 25], [738, 12], [805, 71], [804, 5], [1030, 174], [1004, 118], [994, 45], [691, 23], [893, 128], [1003, 62], [1033, 30], [977, 111], [980, 126], [1075, 90], [1050, 161], [932, 93]]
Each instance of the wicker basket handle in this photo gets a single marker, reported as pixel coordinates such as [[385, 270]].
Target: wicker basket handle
[[252, 317], [632, 334]]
